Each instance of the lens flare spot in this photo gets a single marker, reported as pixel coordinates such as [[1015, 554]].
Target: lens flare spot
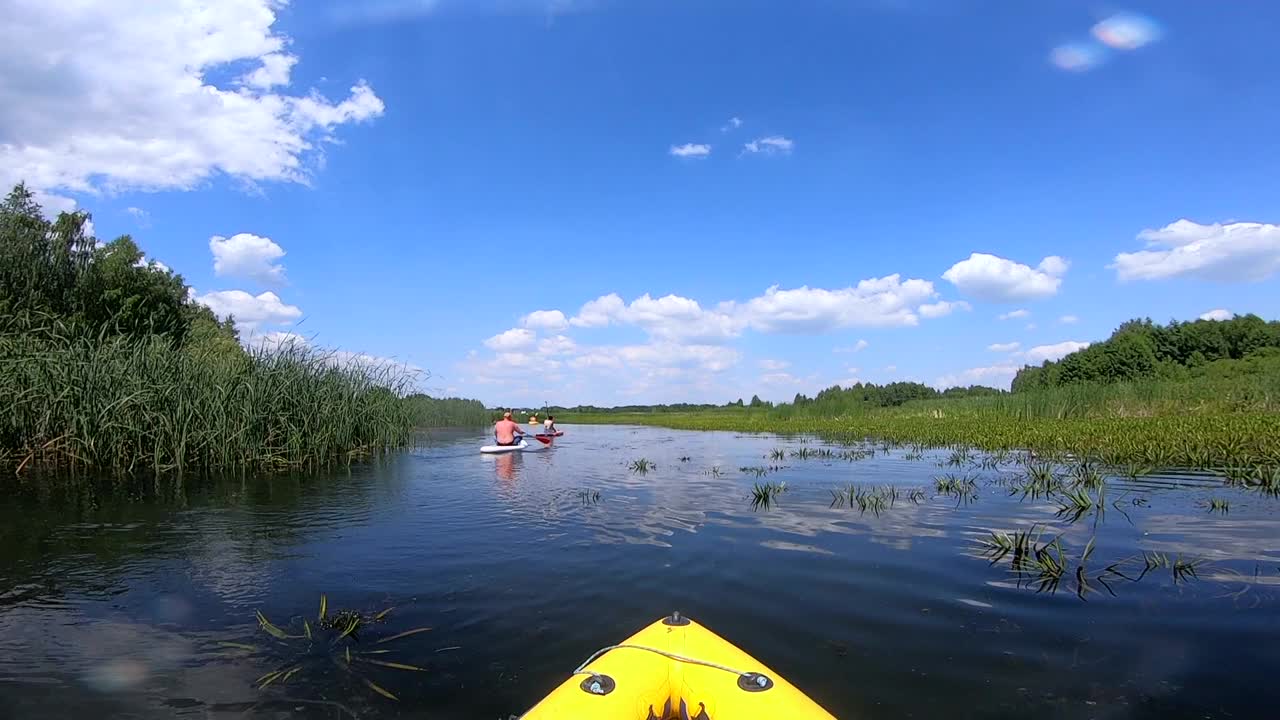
[[1076, 57], [1126, 31], [117, 675]]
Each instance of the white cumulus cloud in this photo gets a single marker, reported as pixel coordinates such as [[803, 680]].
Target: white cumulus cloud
[[733, 124], [1068, 319], [673, 317], [691, 150], [275, 340], [1076, 57], [942, 308], [1004, 347], [600, 312], [245, 255], [769, 145], [512, 340], [997, 376], [996, 279], [273, 71], [1219, 314], [889, 301], [774, 365], [556, 345], [876, 302], [1015, 314], [140, 216], [1057, 351], [854, 348], [250, 311], [1232, 252], [710, 358], [549, 320], [1126, 31], [779, 378], [104, 95]]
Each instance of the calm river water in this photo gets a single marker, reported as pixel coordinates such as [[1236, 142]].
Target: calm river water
[[118, 603]]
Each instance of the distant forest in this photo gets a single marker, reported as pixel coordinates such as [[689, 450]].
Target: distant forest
[[1143, 350]]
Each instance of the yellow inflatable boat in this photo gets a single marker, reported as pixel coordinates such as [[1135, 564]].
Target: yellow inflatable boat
[[675, 669]]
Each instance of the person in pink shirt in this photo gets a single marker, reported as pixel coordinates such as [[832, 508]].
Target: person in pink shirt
[[506, 430]]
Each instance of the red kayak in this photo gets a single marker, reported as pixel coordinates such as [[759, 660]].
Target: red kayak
[[546, 439]]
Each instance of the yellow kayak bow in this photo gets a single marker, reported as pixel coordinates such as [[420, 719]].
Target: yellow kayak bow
[[675, 669]]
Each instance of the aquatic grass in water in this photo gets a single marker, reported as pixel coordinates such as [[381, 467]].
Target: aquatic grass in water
[[1075, 502], [1180, 570], [1039, 481], [874, 499], [1088, 475], [764, 495], [641, 466], [777, 454], [1046, 563], [757, 471], [1219, 505], [1262, 478], [963, 489], [345, 640]]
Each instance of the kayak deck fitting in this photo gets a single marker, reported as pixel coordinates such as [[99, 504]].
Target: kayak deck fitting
[[675, 669]]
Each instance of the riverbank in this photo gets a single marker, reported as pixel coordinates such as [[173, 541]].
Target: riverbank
[[1235, 441]]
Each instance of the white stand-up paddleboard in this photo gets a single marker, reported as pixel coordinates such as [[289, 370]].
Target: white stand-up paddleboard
[[504, 448]]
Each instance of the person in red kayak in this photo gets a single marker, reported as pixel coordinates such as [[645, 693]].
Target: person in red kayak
[[506, 430], [549, 425]]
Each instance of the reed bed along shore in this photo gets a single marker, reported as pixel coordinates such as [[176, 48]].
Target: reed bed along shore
[[120, 405], [1196, 441]]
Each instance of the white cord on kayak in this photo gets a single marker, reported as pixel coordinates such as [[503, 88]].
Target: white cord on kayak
[[679, 658]]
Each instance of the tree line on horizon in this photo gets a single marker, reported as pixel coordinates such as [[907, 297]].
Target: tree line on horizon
[[1138, 350]]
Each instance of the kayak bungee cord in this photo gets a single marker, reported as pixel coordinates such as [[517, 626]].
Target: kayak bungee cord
[[650, 684], [755, 677]]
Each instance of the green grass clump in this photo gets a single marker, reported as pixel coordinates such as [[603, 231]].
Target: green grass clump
[[1040, 480], [121, 405], [959, 457], [1262, 478], [963, 489], [764, 495], [641, 466]]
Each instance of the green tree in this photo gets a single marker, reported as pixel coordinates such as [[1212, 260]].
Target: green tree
[[40, 261], [56, 271], [121, 294]]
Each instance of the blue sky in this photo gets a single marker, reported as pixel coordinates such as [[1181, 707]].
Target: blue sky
[[415, 180]]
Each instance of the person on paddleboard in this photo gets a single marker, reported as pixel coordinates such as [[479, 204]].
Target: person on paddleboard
[[506, 430], [549, 425]]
